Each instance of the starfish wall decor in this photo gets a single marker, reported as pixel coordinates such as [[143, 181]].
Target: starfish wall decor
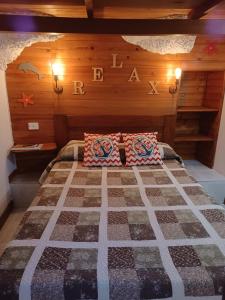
[[211, 48], [25, 100]]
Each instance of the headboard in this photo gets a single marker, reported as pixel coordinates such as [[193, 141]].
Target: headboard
[[68, 127]]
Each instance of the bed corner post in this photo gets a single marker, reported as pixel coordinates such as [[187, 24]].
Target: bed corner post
[[60, 127]]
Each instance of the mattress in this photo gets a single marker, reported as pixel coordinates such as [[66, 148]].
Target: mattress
[[147, 232]]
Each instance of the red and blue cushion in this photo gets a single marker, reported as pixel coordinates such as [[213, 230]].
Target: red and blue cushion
[[101, 150], [141, 149]]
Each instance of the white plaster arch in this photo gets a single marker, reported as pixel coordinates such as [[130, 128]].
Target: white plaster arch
[[165, 44], [12, 44]]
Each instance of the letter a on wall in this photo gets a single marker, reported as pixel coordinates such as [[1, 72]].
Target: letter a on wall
[[134, 76]]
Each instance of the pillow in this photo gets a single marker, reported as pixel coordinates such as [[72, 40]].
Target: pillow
[[101, 150], [141, 149], [167, 153], [72, 151]]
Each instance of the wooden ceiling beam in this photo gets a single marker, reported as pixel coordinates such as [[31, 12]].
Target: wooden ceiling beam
[[89, 4], [201, 10], [110, 26]]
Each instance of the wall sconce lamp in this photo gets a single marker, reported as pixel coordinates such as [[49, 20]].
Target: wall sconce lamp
[[173, 89], [57, 71]]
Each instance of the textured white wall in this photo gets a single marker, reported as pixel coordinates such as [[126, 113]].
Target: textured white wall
[[6, 141], [219, 164]]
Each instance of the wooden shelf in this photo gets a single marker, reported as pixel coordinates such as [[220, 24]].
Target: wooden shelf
[[194, 138], [45, 147], [196, 109], [199, 105]]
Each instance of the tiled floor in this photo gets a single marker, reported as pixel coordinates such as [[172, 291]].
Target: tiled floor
[[212, 181], [202, 173]]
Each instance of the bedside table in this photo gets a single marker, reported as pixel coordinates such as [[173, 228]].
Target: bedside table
[[35, 160], [30, 165]]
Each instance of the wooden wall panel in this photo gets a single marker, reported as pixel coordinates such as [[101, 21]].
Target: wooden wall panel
[[192, 89], [114, 96]]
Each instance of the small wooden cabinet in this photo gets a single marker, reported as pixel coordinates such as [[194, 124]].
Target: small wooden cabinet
[[35, 160], [30, 165], [199, 109]]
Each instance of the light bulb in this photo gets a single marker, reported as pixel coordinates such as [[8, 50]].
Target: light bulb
[[178, 72], [57, 69]]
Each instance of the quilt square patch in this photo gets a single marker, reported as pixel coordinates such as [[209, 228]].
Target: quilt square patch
[[63, 165], [121, 178], [57, 177], [164, 196], [184, 256], [172, 163], [198, 196], [83, 197], [10, 282], [180, 224], [217, 274], [80, 284], [124, 284], [154, 282], [54, 259], [80, 166], [156, 177], [120, 197], [183, 177], [47, 282], [66, 273], [137, 273], [210, 255], [77, 227], [120, 168], [15, 258], [217, 219], [87, 178], [47, 196], [33, 225], [197, 281], [150, 167], [129, 225], [207, 262]]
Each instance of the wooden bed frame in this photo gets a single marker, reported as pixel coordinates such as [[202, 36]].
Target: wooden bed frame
[[68, 127]]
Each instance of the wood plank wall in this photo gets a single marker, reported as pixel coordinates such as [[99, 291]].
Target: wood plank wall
[[115, 95]]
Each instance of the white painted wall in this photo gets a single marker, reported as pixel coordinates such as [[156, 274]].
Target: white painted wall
[[219, 164], [6, 141]]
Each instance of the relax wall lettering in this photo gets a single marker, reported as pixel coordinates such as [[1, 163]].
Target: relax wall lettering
[[98, 75]]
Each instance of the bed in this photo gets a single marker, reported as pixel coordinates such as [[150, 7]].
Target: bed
[[142, 232]]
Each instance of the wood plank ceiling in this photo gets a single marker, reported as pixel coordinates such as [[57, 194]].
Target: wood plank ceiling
[[117, 9]]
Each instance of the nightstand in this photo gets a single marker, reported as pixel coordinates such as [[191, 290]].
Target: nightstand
[[35, 160], [30, 165]]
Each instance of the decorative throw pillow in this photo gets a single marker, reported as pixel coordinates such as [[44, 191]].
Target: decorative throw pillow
[[73, 150], [141, 149], [101, 150], [167, 153]]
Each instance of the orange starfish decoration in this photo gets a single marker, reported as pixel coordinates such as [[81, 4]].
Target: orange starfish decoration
[[25, 100]]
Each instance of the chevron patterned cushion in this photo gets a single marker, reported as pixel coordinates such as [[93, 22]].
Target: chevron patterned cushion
[[101, 150], [141, 149]]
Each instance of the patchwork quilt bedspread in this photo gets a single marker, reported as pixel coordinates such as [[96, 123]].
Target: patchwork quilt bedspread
[[118, 233]]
